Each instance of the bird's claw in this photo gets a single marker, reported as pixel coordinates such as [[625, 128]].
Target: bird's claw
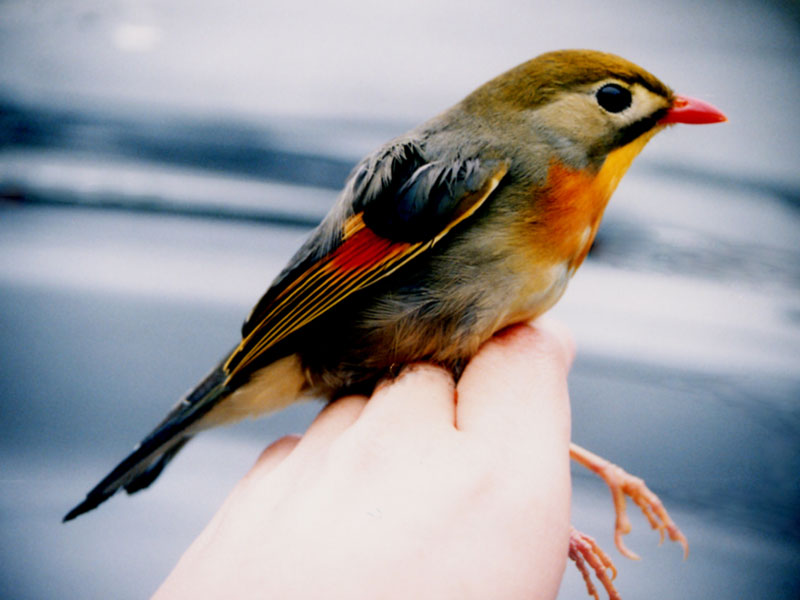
[[622, 484], [586, 554]]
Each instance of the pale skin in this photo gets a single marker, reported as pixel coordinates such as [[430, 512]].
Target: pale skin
[[429, 490]]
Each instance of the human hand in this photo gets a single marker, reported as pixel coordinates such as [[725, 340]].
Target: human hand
[[429, 490]]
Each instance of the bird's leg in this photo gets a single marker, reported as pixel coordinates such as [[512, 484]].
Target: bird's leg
[[624, 484], [582, 550]]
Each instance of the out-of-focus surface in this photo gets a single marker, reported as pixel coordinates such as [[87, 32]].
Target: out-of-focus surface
[[159, 163]]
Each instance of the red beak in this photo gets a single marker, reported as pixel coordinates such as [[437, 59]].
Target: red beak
[[692, 111]]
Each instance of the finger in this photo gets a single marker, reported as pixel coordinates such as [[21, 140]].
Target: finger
[[275, 453], [516, 385], [561, 332], [270, 458], [329, 424], [422, 395]]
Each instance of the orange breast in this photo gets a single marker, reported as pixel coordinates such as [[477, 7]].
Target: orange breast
[[569, 207]]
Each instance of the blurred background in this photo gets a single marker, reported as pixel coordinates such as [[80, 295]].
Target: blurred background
[[159, 161]]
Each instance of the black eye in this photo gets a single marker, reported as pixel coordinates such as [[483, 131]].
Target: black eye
[[614, 98]]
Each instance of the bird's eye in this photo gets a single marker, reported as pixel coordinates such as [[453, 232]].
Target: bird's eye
[[614, 98]]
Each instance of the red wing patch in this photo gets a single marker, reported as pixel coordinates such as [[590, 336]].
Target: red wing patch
[[362, 258]]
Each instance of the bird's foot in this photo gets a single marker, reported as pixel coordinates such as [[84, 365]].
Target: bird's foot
[[586, 554], [624, 484]]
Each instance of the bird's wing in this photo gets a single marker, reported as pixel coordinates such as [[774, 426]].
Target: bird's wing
[[395, 207]]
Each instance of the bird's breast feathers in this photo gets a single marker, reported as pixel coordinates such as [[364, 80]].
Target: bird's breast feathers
[[566, 210]]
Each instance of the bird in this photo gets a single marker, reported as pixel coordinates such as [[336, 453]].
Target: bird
[[475, 220]]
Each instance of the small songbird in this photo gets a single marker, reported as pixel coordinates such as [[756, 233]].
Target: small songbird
[[473, 221]]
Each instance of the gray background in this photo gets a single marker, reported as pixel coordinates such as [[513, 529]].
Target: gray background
[[160, 161]]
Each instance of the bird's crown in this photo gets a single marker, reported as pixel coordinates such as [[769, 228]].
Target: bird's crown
[[539, 80]]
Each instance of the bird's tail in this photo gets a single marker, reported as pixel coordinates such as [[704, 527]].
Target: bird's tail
[[142, 466]]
